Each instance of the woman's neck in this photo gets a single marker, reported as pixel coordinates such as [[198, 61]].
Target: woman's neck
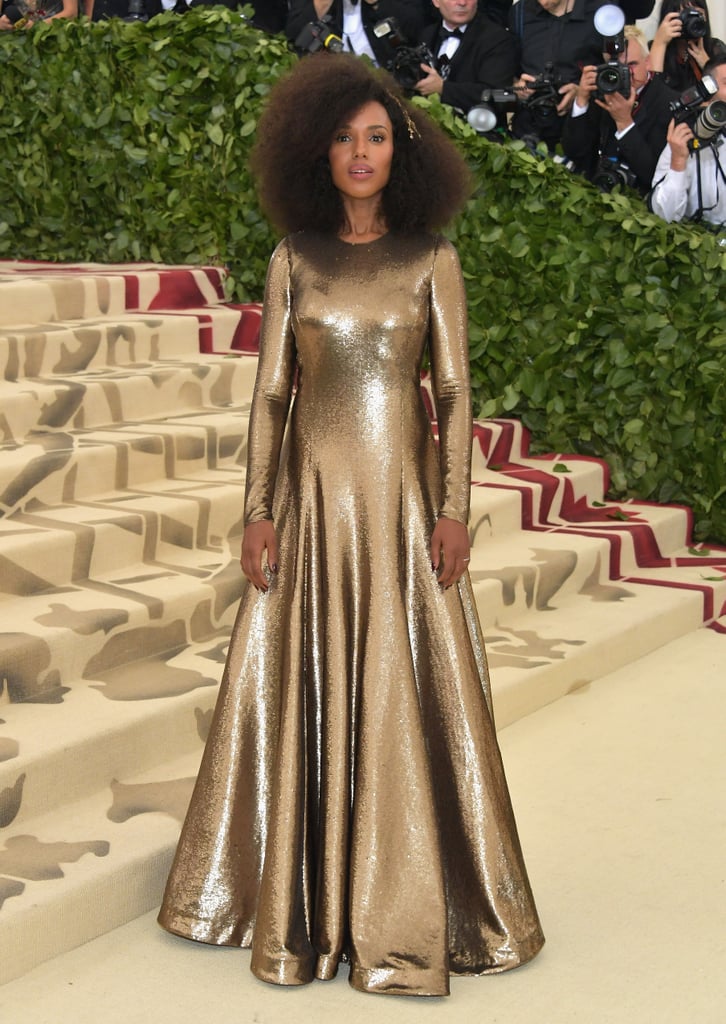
[[364, 221]]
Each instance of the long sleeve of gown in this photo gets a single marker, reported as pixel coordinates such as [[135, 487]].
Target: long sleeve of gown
[[450, 375], [273, 389]]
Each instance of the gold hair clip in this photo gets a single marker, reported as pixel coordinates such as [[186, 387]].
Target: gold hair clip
[[413, 132]]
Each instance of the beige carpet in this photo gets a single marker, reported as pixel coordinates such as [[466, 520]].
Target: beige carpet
[[125, 394], [618, 791]]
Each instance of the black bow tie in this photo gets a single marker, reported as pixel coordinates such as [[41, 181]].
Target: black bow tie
[[447, 33]]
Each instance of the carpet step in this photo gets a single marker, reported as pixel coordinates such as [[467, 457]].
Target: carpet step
[[163, 717], [56, 468], [76, 872], [76, 346], [51, 548], [536, 659], [92, 631], [44, 293], [122, 396]]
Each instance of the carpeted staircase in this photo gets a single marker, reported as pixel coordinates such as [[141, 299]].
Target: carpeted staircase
[[125, 399]]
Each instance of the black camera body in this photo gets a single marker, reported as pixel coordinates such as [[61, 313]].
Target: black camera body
[[694, 23], [610, 172], [689, 102], [316, 36], [706, 122], [612, 77], [545, 98], [405, 64]]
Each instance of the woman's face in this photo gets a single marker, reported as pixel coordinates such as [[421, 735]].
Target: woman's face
[[361, 152]]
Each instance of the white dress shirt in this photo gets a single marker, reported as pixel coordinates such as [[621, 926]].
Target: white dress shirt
[[675, 193], [354, 35]]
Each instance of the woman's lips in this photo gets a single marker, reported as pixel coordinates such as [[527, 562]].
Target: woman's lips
[[360, 170]]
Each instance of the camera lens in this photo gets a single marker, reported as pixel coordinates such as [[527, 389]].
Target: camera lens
[[608, 79], [711, 120]]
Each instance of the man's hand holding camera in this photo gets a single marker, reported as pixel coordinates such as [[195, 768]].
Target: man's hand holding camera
[[619, 107], [431, 83], [523, 90], [678, 137]]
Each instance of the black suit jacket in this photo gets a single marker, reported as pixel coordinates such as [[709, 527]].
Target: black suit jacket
[[485, 59], [408, 13], [583, 137]]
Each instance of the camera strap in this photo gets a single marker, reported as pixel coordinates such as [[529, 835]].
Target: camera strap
[[695, 68], [718, 172], [698, 215]]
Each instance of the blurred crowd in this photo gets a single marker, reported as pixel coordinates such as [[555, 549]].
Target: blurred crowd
[[576, 77]]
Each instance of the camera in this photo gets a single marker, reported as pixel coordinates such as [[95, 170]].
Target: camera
[[317, 35], [545, 98], [612, 77], [611, 172], [405, 65], [694, 23], [686, 106], [705, 122]]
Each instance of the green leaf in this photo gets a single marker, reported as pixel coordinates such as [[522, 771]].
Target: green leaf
[[633, 426], [214, 133]]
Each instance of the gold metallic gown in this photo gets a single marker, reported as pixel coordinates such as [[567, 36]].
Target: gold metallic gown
[[351, 803]]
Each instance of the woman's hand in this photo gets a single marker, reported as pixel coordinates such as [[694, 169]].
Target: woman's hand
[[258, 538], [698, 52], [669, 29], [449, 551]]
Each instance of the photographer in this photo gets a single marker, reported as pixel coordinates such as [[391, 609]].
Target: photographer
[[354, 20], [472, 54], [684, 34], [613, 138], [556, 38], [690, 180]]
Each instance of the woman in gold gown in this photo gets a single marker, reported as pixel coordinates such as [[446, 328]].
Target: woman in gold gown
[[351, 803]]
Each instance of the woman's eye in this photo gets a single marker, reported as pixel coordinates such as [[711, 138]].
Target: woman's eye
[[378, 138]]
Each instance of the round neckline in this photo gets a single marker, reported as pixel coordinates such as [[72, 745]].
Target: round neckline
[[362, 245]]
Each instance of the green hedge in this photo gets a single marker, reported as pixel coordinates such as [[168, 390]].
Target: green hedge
[[598, 325]]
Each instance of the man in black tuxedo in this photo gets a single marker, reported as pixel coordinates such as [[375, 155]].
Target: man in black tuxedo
[[472, 54], [353, 22], [627, 131]]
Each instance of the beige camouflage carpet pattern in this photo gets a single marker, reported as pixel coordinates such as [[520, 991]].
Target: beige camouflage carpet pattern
[[125, 396]]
